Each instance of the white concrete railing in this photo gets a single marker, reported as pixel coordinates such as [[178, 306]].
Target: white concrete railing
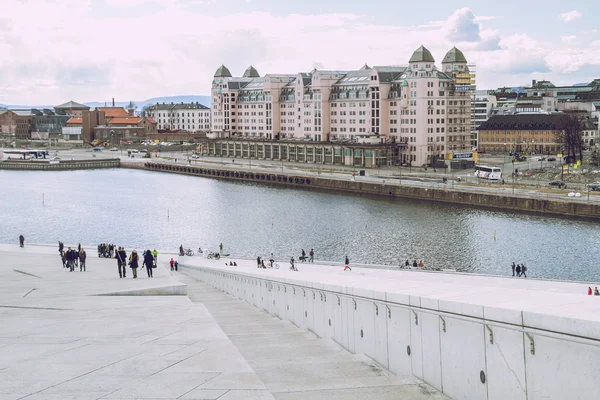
[[467, 351]]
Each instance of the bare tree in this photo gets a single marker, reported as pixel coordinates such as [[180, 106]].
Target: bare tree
[[570, 135]]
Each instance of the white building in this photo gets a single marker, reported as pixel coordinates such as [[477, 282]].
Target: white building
[[187, 117], [425, 109]]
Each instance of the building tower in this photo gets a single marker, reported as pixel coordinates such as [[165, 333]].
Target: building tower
[[219, 101], [459, 100]]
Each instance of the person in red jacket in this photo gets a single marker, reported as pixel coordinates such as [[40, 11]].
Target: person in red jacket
[[589, 291], [172, 264]]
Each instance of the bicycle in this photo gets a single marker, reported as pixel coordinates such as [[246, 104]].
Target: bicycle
[[274, 265], [213, 256], [189, 252]]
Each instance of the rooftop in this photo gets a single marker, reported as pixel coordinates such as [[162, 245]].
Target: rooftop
[[454, 56], [72, 105], [421, 55]]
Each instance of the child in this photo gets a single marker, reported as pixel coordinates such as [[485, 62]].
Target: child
[[176, 266], [172, 264]]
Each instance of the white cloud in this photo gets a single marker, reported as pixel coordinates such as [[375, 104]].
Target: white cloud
[[171, 50], [570, 16], [568, 39]]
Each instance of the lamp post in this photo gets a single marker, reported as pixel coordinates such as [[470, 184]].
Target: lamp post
[[513, 175]]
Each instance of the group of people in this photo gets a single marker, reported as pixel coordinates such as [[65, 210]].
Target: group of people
[[72, 258], [106, 250], [519, 269], [311, 256], [148, 260], [414, 264], [596, 291]]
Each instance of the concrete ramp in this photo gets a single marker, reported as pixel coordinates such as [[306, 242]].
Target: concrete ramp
[[171, 290]]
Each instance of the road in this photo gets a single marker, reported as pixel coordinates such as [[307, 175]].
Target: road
[[456, 180]]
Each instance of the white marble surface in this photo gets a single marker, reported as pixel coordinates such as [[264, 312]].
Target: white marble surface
[[550, 305], [65, 340]]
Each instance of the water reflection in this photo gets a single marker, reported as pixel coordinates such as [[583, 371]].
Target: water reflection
[[144, 209]]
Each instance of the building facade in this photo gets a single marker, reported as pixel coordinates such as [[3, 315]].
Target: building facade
[[32, 123], [422, 110], [186, 117], [521, 133]]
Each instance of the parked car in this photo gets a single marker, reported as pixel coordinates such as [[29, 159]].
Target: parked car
[[551, 158], [127, 142], [594, 186], [558, 183], [195, 156], [114, 149], [135, 151]]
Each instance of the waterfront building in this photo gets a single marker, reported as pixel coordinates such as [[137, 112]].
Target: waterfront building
[[481, 109], [181, 117], [423, 113], [110, 124], [72, 108], [32, 123], [525, 133]]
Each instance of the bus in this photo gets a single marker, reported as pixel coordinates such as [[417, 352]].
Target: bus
[[485, 172]]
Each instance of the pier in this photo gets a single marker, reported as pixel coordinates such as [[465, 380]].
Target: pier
[[62, 165], [388, 188]]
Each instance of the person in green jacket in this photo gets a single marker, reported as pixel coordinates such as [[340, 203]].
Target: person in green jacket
[[155, 255]]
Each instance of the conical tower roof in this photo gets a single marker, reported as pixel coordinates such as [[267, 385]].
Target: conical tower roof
[[251, 72], [421, 55], [365, 67], [222, 72], [454, 56]]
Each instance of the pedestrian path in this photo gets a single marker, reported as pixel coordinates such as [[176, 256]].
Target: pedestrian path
[[296, 364], [62, 338]]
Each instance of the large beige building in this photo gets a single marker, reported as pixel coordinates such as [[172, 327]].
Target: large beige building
[[423, 109], [182, 117]]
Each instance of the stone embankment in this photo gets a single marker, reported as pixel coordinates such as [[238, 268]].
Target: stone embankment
[[47, 165], [542, 205]]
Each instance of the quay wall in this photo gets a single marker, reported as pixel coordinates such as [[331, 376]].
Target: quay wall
[[62, 165], [446, 195], [465, 350]]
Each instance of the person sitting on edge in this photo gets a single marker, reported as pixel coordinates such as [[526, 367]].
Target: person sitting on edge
[[415, 264], [406, 264], [234, 264], [421, 264], [589, 291], [596, 292]]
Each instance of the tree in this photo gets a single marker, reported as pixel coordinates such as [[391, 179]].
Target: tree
[[570, 135]]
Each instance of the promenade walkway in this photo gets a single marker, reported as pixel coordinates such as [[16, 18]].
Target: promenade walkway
[[90, 335]]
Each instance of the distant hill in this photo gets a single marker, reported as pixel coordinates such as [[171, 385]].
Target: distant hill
[[205, 100]]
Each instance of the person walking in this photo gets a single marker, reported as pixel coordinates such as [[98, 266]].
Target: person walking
[[21, 241], [303, 257], [258, 262], [172, 264], [121, 261], [293, 264], [176, 266], [221, 248], [311, 256], [82, 257], [518, 270], [133, 263], [347, 264], [513, 268], [155, 255], [61, 247], [79, 247], [63, 257], [75, 258], [523, 270], [149, 262]]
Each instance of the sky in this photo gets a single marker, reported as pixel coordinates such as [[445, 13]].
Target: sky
[[53, 51]]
